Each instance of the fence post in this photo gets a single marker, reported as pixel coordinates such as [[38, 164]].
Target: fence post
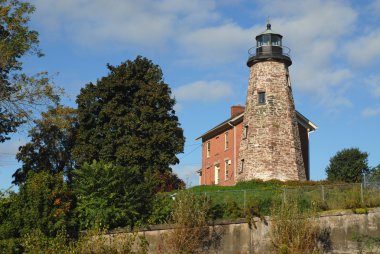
[[323, 193], [245, 198], [361, 193], [283, 196]]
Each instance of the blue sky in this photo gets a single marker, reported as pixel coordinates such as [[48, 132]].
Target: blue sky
[[201, 46]]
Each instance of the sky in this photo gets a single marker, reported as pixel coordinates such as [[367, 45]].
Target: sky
[[201, 47]]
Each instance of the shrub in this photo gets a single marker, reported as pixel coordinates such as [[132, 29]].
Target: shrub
[[161, 208], [191, 232], [360, 210], [366, 242], [292, 230]]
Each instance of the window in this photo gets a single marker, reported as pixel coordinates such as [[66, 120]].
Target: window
[[245, 131], [226, 140], [226, 163], [241, 166], [261, 96], [208, 149]]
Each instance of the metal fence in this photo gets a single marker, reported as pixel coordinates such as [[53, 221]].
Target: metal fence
[[323, 197]]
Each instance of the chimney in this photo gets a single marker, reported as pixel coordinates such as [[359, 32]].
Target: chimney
[[236, 110]]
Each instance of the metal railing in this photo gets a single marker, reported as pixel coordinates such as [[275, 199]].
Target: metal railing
[[285, 51]]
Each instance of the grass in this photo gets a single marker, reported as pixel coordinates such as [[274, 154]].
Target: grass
[[256, 197]]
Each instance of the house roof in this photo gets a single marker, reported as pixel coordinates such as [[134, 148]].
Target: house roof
[[233, 121]]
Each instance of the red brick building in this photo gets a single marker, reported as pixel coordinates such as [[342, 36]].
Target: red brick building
[[220, 148]]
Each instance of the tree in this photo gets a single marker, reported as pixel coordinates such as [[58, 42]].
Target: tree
[[375, 174], [20, 94], [44, 206], [348, 165], [110, 196], [127, 118], [50, 148]]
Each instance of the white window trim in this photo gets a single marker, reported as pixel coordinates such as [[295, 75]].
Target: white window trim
[[226, 140], [208, 149], [226, 169]]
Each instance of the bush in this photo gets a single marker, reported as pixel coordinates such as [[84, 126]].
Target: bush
[[110, 196], [292, 230], [191, 232], [161, 209]]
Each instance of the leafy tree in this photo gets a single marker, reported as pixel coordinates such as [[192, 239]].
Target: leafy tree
[[348, 165], [44, 204], [168, 181], [128, 118], [52, 140], [375, 173], [20, 94], [110, 196]]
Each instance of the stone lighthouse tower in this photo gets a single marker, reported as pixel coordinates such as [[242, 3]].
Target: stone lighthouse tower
[[270, 146]]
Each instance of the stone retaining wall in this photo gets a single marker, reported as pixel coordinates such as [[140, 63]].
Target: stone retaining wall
[[238, 237]]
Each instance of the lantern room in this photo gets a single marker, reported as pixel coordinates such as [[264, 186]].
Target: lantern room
[[269, 46]]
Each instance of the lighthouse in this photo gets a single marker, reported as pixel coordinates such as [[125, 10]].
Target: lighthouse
[[270, 146]]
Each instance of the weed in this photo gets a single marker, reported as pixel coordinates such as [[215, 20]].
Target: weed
[[294, 231]]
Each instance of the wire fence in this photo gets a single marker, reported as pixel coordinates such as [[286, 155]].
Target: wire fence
[[323, 197]]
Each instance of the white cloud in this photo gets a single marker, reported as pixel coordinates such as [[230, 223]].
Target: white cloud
[[145, 24], [374, 8], [364, 50], [203, 91], [217, 44], [369, 112], [374, 84], [92, 23]]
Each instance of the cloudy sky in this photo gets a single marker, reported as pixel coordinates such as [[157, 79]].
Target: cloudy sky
[[201, 46]]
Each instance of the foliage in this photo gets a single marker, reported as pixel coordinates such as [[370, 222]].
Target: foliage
[[97, 241], [94, 241], [292, 230], [375, 174], [168, 181], [110, 196], [191, 232], [127, 118], [162, 207], [258, 184], [8, 227], [52, 140], [360, 210], [20, 94], [367, 243], [44, 204], [348, 165]]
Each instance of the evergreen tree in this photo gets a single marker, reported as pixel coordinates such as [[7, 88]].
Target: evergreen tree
[[348, 165], [127, 118]]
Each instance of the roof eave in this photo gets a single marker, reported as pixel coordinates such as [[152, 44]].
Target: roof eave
[[310, 126]]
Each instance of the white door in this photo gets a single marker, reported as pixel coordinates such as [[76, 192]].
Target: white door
[[217, 172]]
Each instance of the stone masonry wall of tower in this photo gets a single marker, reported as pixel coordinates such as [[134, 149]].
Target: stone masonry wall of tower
[[270, 146]]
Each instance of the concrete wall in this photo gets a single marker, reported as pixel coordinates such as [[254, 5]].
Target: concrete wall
[[238, 237]]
